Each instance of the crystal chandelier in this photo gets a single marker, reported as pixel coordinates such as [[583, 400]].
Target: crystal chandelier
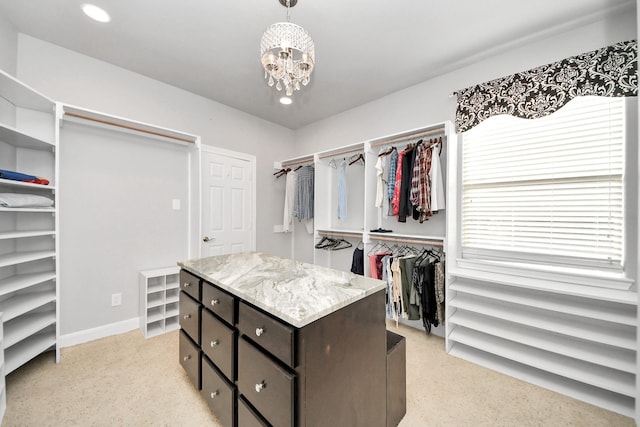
[[288, 54]]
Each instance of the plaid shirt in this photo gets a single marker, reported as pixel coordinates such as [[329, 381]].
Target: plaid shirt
[[421, 182]]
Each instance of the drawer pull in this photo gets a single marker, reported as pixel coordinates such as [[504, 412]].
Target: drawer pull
[[187, 357], [215, 301], [186, 284], [259, 331], [214, 394], [186, 316], [215, 343], [261, 385]]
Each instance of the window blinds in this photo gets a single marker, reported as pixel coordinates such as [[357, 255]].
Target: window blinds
[[550, 186]]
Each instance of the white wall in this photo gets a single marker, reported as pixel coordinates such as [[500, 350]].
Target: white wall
[[430, 102], [8, 46], [77, 79]]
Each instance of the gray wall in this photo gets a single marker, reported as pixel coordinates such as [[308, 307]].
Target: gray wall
[[76, 79], [431, 101], [8, 46]]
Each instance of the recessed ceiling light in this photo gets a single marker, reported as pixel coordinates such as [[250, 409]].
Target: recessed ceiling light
[[95, 12], [286, 100]]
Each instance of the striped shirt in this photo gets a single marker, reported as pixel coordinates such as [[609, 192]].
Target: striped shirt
[[303, 201]]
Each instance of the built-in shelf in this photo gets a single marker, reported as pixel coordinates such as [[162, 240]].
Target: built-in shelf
[[25, 234], [22, 257], [27, 349], [615, 335], [28, 295], [20, 139], [29, 185], [579, 349], [25, 326], [625, 315], [24, 303], [24, 281], [619, 403], [22, 95]]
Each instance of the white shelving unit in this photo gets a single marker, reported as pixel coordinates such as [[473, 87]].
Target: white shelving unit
[[3, 386], [28, 236], [559, 332], [159, 297]]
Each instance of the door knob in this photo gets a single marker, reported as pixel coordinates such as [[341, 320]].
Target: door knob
[[207, 239]]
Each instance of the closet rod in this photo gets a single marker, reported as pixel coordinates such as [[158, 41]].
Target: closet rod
[[130, 127], [340, 233], [297, 161], [408, 137], [403, 240], [337, 153]]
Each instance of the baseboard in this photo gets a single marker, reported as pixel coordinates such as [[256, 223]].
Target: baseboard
[[87, 335]]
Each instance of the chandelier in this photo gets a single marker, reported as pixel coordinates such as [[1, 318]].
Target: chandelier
[[288, 54]]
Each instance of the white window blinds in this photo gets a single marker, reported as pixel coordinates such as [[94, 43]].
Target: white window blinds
[[550, 187]]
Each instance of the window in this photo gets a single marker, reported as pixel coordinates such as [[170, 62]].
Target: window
[[548, 190]]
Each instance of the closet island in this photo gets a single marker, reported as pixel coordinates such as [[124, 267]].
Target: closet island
[[270, 341]]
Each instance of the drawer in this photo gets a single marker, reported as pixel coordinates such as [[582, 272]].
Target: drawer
[[269, 387], [219, 302], [190, 284], [190, 316], [219, 343], [273, 335], [190, 358], [219, 394], [248, 417]]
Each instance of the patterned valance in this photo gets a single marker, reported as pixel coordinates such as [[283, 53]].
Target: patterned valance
[[610, 71]]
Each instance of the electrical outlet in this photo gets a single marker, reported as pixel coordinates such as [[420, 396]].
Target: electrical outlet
[[116, 299]]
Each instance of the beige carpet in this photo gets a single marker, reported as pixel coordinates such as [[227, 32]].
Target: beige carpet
[[126, 380]]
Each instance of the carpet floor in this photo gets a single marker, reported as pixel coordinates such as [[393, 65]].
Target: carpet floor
[[126, 380]]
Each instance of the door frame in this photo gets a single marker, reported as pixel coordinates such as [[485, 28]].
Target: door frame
[[253, 212]]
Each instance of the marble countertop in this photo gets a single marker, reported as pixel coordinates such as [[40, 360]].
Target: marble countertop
[[296, 292]]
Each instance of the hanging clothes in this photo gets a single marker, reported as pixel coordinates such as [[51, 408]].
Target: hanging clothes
[[391, 181], [303, 204], [357, 261], [380, 184], [289, 198], [439, 291], [395, 201], [437, 184], [421, 183], [342, 191], [404, 204]]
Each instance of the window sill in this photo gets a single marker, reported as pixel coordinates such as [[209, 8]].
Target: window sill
[[610, 286]]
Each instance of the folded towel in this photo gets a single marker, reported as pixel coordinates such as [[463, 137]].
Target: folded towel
[[16, 200], [18, 176]]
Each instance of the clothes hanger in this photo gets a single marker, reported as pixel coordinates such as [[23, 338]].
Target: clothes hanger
[[332, 163], [389, 151], [355, 158]]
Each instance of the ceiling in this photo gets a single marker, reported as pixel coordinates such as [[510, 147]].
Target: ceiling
[[365, 49]]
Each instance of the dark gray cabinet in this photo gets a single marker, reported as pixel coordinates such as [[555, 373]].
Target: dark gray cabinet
[[330, 372]]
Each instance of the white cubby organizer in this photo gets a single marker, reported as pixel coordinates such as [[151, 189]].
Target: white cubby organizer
[[159, 297], [28, 236]]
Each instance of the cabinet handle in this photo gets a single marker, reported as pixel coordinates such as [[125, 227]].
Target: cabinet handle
[[186, 284], [215, 343], [215, 301], [260, 386], [187, 357], [259, 331], [214, 393], [186, 316]]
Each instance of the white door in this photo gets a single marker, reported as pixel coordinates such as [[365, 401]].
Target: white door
[[228, 199]]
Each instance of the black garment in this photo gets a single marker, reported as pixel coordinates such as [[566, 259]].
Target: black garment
[[357, 263], [404, 205]]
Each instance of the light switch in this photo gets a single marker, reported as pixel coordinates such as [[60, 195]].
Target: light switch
[[175, 203]]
